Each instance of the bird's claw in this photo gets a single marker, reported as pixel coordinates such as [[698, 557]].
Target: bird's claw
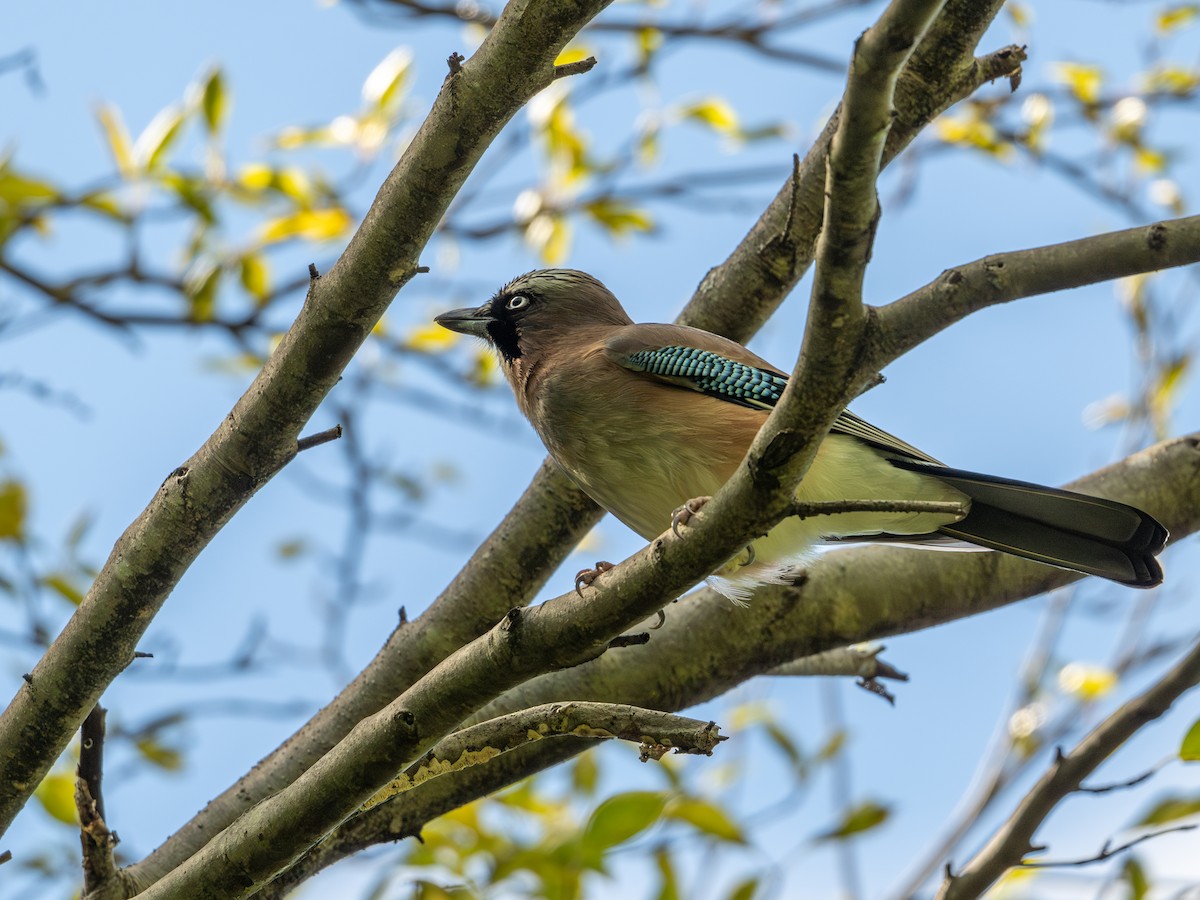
[[588, 576], [751, 556], [683, 514]]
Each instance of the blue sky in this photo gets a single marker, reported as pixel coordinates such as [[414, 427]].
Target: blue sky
[[1002, 392]]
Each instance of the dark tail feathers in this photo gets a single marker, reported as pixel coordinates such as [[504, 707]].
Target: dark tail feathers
[[1061, 528]]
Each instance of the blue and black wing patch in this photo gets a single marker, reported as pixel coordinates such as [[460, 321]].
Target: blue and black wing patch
[[710, 373]]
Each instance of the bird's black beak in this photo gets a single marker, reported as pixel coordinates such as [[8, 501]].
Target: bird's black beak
[[466, 321]]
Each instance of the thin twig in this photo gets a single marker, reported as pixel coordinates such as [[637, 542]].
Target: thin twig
[[321, 437], [1107, 851]]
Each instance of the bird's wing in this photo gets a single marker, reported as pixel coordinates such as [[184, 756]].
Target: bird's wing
[[721, 368]]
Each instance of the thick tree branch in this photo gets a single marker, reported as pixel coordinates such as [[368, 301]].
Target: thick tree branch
[[259, 436], [1015, 838]]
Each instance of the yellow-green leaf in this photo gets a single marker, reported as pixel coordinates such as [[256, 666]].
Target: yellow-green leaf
[[155, 141], [62, 585], [201, 286], [310, 224], [21, 190], [668, 885], [1134, 876], [1169, 810], [12, 510], [585, 774], [256, 276], [1084, 81], [619, 218], [214, 101], [431, 338], [622, 817], [864, 817], [705, 817], [1189, 750], [56, 793], [744, 890], [550, 236], [120, 145], [715, 112], [383, 87], [1085, 681], [572, 54], [1174, 17], [160, 754]]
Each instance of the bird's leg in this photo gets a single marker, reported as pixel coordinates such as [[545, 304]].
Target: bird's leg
[[683, 514], [587, 576]]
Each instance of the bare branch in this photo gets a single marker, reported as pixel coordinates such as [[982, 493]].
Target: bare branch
[[1106, 852], [321, 437], [1013, 841], [97, 840]]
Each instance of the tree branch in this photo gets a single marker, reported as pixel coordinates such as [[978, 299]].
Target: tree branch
[[259, 436], [1015, 838], [94, 834]]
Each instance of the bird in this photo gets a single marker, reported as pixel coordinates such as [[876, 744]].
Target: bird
[[646, 417]]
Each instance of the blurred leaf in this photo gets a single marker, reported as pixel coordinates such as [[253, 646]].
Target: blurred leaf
[[310, 224], [715, 112], [256, 276], [56, 793], [1083, 81], [63, 586], [485, 368], [1134, 875], [292, 549], [201, 286], [618, 218], [1174, 17], [668, 881], [1169, 810], [1020, 13], [622, 817], [706, 817], [155, 142], [1168, 380], [22, 191], [384, 86], [193, 192], [744, 890], [120, 145], [648, 42], [1086, 682], [13, 502], [159, 754], [784, 743], [214, 101], [1189, 750], [585, 773], [572, 55], [550, 235], [864, 817], [1148, 161], [832, 746], [431, 338], [969, 130], [104, 202], [1175, 80], [255, 177]]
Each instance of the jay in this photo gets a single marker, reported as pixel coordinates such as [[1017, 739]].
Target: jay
[[645, 417]]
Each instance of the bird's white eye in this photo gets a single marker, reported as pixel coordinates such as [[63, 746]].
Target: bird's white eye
[[517, 302]]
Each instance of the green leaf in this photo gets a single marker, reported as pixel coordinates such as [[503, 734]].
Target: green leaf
[[161, 755], [584, 774], [12, 510], [1134, 875], [117, 136], [256, 276], [201, 289], [384, 86], [668, 885], [856, 820], [22, 191], [62, 585], [1169, 810], [214, 101], [155, 142], [56, 793], [832, 747], [744, 890], [705, 817], [1189, 750], [622, 817]]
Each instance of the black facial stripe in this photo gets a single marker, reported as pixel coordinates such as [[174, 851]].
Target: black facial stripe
[[504, 335]]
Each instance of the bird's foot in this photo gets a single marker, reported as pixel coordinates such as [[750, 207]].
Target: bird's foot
[[751, 556], [587, 576], [683, 514]]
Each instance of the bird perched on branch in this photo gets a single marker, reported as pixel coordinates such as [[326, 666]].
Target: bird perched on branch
[[644, 418]]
